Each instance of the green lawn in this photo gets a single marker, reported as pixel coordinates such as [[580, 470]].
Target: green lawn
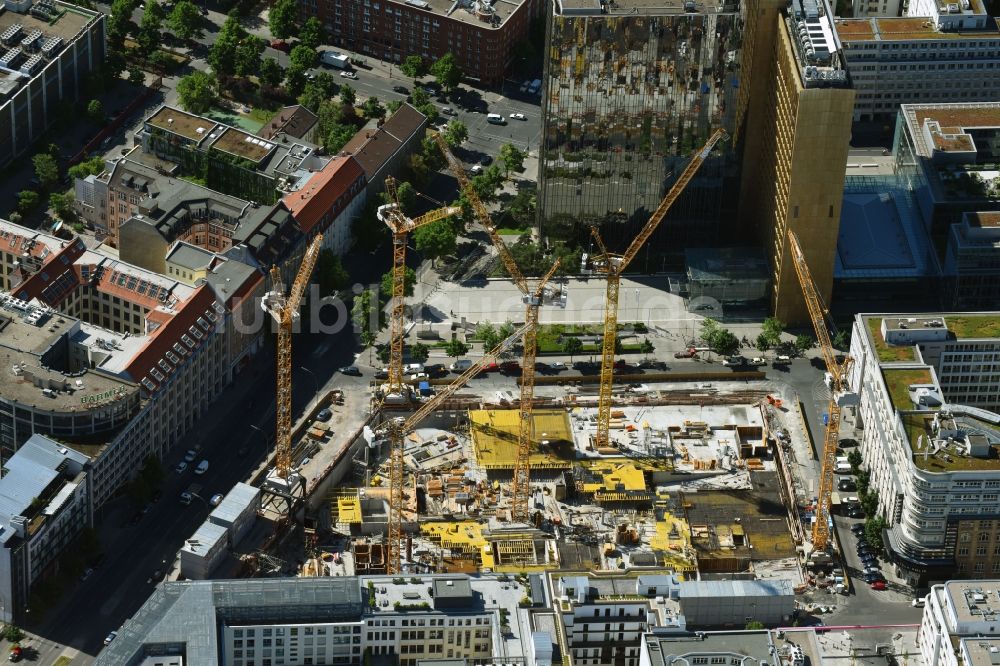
[[899, 381], [916, 425], [886, 352], [249, 123], [974, 326]]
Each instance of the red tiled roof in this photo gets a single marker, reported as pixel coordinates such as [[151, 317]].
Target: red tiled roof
[[313, 202], [51, 273], [146, 364]]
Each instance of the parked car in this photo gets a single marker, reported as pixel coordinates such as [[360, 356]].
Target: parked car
[[448, 111], [350, 370], [280, 45], [758, 361], [382, 373], [871, 570], [734, 361], [436, 369], [110, 637], [687, 353], [878, 585], [510, 367], [847, 485], [348, 75], [557, 366], [653, 365], [419, 376], [486, 160], [402, 90], [181, 467], [324, 415], [202, 467], [872, 577], [190, 455], [518, 116], [216, 499], [858, 528], [918, 602], [491, 367]]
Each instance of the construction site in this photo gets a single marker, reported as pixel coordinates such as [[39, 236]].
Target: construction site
[[688, 473]]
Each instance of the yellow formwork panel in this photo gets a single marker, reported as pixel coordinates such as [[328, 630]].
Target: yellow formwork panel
[[349, 510], [495, 435]]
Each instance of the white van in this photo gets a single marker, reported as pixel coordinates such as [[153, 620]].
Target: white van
[[202, 467], [461, 365], [496, 119]]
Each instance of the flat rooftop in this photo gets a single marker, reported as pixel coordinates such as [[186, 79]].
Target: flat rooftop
[[501, 9], [984, 219], [645, 7], [966, 116], [899, 380], [946, 457], [981, 651], [71, 21], [182, 123], [662, 650], [241, 144], [902, 29], [974, 600]]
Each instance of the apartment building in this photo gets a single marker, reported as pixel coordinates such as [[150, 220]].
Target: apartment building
[[341, 620], [384, 149], [802, 111], [483, 36], [45, 491], [960, 623], [931, 58], [329, 201], [47, 50], [737, 649], [124, 360], [926, 384]]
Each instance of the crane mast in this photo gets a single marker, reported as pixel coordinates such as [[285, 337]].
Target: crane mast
[[521, 489], [613, 265], [284, 310], [838, 371], [396, 430]]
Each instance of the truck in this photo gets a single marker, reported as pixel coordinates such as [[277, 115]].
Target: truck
[[188, 495], [334, 59]]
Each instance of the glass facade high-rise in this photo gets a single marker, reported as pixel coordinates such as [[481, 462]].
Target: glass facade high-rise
[[632, 89]]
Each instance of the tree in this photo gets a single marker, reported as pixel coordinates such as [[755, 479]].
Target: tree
[[348, 96], [364, 313], [864, 478], [338, 137], [62, 204], [409, 279], [772, 329], [149, 34], [312, 96], [246, 58], [271, 72], [435, 240], [763, 342], [430, 111], [120, 22], [571, 346], [95, 111], [456, 348], [803, 342], [295, 80], [419, 352], [89, 167], [413, 67], [406, 194], [13, 633], [725, 342], [512, 158], [873, 531], [841, 340], [303, 57], [754, 625], [281, 18], [312, 33], [46, 169], [523, 208], [330, 272], [196, 92], [447, 72], [27, 201], [455, 133], [222, 57], [486, 332], [647, 347], [419, 97], [185, 20], [372, 108], [393, 105], [854, 458], [136, 76]]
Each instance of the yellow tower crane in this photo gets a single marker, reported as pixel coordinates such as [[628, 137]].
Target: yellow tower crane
[[285, 310], [533, 299], [395, 430], [400, 225], [838, 396], [613, 265]]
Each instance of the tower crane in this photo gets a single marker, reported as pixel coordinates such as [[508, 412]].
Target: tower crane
[[613, 265], [284, 310], [400, 225], [838, 396], [395, 430], [532, 299]]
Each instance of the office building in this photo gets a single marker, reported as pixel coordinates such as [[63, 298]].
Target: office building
[[797, 138], [727, 275], [115, 360], [739, 649], [483, 36], [47, 51], [920, 60], [44, 503], [926, 385], [631, 90], [972, 262], [960, 623], [330, 620]]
